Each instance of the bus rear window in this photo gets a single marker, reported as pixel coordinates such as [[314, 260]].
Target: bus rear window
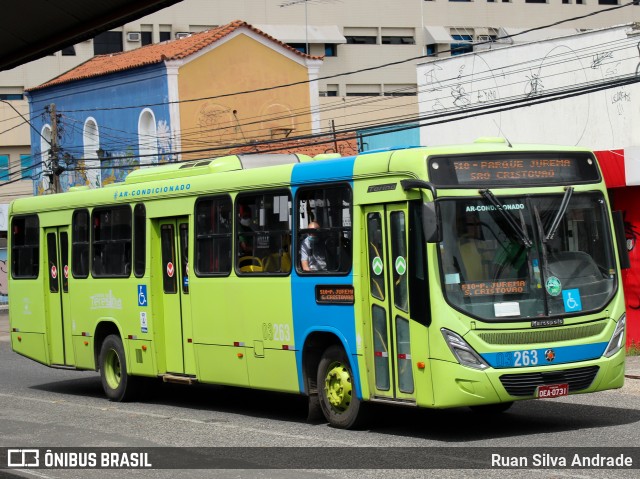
[[25, 247]]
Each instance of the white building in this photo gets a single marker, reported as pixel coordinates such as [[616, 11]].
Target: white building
[[353, 34]]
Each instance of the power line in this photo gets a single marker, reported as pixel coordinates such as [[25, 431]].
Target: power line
[[430, 119], [367, 69], [194, 135]]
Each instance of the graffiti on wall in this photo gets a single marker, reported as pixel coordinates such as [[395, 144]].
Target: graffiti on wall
[[111, 166], [467, 85]]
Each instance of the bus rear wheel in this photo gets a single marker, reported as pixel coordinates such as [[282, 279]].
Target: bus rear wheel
[[117, 384], [338, 399]]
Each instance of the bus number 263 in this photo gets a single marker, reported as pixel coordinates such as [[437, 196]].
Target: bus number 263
[[518, 359], [276, 332]]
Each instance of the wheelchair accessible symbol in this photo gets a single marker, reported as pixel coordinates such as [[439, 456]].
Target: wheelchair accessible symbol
[[571, 299], [142, 295]]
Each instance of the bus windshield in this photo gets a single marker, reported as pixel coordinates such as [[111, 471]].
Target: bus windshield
[[490, 273]]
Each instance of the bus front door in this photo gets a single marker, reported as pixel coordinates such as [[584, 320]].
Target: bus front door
[[172, 266], [389, 328], [56, 292]]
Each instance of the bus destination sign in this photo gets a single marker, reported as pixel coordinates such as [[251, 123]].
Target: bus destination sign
[[516, 170]]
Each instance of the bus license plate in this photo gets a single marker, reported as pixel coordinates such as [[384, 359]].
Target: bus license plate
[[552, 391]]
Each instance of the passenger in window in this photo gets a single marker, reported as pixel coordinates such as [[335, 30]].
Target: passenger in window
[[245, 232], [313, 253]]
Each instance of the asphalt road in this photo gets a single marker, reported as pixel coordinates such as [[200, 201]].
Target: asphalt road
[[43, 407]]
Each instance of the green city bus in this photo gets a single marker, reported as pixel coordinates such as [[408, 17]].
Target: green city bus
[[472, 275]]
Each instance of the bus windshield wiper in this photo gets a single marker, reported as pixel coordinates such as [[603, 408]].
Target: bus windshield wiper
[[515, 227], [561, 211]]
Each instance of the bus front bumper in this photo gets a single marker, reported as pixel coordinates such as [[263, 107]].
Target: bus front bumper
[[456, 385]]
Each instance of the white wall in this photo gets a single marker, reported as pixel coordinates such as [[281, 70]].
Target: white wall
[[603, 120]]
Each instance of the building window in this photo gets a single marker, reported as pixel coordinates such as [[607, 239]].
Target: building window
[[11, 96], [165, 36], [80, 244], [91, 143], [432, 50], [107, 42], [360, 40], [301, 47], [400, 90], [69, 51], [363, 90], [111, 242], [213, 236], [26, 167], [608, 2], [331, 89], [535, 1], [25, 247], [147, 138], [146, 38], [324, 235], [4, 167], [330, 50], [460, 48], [263, 233], [390, 40]]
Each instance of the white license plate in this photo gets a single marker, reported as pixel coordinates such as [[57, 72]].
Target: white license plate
[[552, 391]]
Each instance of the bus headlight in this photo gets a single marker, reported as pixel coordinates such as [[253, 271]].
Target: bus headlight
[[462, 351], [618, 337]]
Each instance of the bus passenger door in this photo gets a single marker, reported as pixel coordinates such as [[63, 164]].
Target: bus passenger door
[[172, 266], [389, 348], [57, 296]]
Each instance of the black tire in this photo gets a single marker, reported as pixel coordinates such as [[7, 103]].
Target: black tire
[[492, 408], [336, 390], [116, 382]]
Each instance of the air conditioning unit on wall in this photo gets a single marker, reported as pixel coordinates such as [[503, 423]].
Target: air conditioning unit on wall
[[134, 36], [180, 35]]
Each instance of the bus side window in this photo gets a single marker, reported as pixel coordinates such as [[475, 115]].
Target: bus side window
[[140, 240], [263, 233], [213, 236], [324, 231], [111, 241], [25, 247], [80, 244]]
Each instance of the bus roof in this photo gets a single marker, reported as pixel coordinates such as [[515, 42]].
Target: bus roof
[[238, 172]]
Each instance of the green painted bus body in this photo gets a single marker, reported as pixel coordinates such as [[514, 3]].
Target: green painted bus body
[[222, 330]]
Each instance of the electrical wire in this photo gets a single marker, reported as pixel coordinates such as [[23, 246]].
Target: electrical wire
[[362, 70]]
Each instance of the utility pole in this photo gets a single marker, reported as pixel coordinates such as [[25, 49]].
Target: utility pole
[[54, 151]]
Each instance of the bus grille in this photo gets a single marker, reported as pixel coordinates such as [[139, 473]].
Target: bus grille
[[525, 384], [543, 336]]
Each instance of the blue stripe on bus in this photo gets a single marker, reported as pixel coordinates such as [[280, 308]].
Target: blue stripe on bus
[[308, 316], [545, 356]]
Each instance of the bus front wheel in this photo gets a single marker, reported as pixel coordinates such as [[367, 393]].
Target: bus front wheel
[[117, 384], [338, 400]]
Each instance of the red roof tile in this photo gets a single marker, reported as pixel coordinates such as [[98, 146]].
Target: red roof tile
[[156, 53], [345, 143]]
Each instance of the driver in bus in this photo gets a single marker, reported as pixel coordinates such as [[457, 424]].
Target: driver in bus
[[470, 245]]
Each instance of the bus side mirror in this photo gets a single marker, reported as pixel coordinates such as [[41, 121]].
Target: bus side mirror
[[430, 222], [621, 240]]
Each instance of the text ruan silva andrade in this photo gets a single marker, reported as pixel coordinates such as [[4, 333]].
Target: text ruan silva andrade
[[570, 460]]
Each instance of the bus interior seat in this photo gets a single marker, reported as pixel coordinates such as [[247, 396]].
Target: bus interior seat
[[277, 263], [250, 264]]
